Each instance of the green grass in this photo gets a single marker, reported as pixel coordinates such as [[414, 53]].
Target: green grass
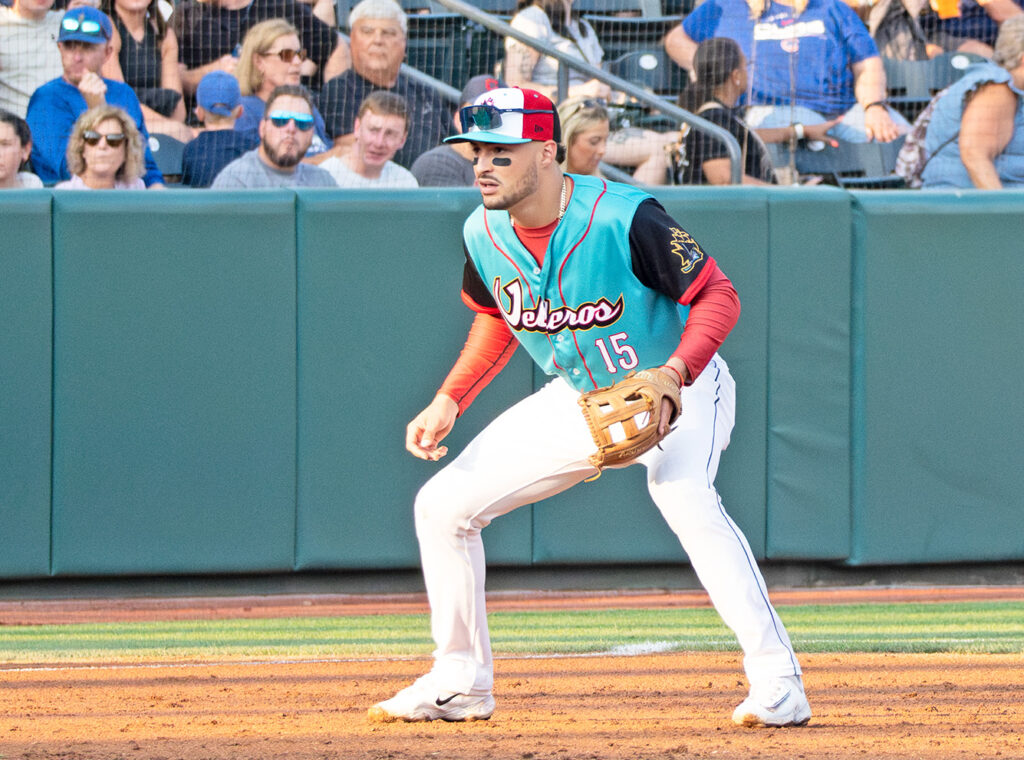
[[977, 627]]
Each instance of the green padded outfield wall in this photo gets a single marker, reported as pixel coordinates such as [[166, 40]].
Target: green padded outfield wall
[[939, 462], [380, 324], [220, 383], [26, 286], [174, 383]]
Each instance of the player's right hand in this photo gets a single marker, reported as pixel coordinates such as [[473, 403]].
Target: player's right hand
[[429, 427]]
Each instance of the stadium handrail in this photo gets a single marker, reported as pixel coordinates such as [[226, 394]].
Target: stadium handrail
[[671, 110]]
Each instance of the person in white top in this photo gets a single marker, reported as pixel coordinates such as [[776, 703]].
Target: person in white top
[[28, 51], [15, 147], [381, 127]]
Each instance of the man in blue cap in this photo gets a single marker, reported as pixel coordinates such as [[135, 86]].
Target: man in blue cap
[[84, 44], [218, 106]]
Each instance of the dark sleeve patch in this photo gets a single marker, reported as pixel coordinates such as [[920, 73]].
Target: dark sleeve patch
[[474, 288], [665, 257]]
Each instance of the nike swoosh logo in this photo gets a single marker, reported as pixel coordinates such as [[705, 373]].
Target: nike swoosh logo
[[442, 702]]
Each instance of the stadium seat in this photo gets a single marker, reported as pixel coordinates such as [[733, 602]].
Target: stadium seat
[[651, 69], [436, 45], [497, 7], [618, 7], [911, 84], [678, 8], [845, 164], [167, 153], [625, 34]]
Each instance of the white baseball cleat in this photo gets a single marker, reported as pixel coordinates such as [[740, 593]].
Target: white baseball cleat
[[422, 702], [778, 702]]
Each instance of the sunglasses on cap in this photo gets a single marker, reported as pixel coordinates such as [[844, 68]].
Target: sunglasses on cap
[[85, 26], [303, 121], [114, 139], [489, 117], [288, 55]]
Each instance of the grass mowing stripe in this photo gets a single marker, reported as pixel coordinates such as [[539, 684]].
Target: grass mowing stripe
[[949, 627]]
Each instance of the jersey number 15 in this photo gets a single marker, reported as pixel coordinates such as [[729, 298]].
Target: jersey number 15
[[626, 356]]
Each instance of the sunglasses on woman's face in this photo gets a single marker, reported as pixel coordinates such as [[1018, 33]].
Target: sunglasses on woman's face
[[114, 139], [303, 121], [288, 55]]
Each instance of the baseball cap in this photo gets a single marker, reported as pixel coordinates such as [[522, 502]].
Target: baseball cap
[[218, 93], [85, 24], [509, 116], [478, 85]]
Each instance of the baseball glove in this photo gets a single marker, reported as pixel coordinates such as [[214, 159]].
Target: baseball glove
[[624, 418]]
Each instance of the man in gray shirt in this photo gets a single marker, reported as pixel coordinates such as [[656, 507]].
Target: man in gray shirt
[[286, 132], [452, 165]]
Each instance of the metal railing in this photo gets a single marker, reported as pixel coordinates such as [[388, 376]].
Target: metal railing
[[641, 95]]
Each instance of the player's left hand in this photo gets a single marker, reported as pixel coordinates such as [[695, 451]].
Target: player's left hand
[[667, 409]]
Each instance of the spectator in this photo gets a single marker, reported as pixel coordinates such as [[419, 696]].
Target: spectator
[[451, 164], [556, 23], [271, 56], [285, 134], [28, 58], [976, 134], [219, 104], [915, 30], [210, 31], [381, 128], [972, 29], [720, 77], [104, 152], [15, 147], [146, 58], [585, 129], [84, 45], [812, 60], [378, 49]]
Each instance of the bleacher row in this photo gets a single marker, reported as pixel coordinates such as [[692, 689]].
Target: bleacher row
[[451, 48]]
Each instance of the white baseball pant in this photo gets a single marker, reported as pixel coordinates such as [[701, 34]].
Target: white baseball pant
[[538, 448]]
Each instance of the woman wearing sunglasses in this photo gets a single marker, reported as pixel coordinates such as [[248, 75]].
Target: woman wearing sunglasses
[[585, 129], [556, 22], [105, 152], [272, 56]]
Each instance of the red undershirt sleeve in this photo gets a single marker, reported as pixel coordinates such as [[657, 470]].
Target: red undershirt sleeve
[[489, 346], [714, 310]]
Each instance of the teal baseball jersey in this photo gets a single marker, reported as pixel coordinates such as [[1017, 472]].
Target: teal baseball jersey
[[612, 292]]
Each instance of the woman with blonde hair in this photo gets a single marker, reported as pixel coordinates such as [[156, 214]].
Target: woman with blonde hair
[[585, 129], [105, 152], [271, 56], [559, 24]]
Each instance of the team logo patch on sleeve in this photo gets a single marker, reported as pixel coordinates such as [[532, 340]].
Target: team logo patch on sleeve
[[686, 248]]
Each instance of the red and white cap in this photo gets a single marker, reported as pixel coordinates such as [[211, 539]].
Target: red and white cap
[[509, 116]]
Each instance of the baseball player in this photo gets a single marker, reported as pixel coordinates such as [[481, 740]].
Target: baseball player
[[594, 279]]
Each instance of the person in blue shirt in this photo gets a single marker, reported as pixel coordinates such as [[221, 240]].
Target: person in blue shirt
[[84, 43], [810, 61]]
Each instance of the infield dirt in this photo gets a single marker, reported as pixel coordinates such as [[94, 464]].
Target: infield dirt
[[677, 706]]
